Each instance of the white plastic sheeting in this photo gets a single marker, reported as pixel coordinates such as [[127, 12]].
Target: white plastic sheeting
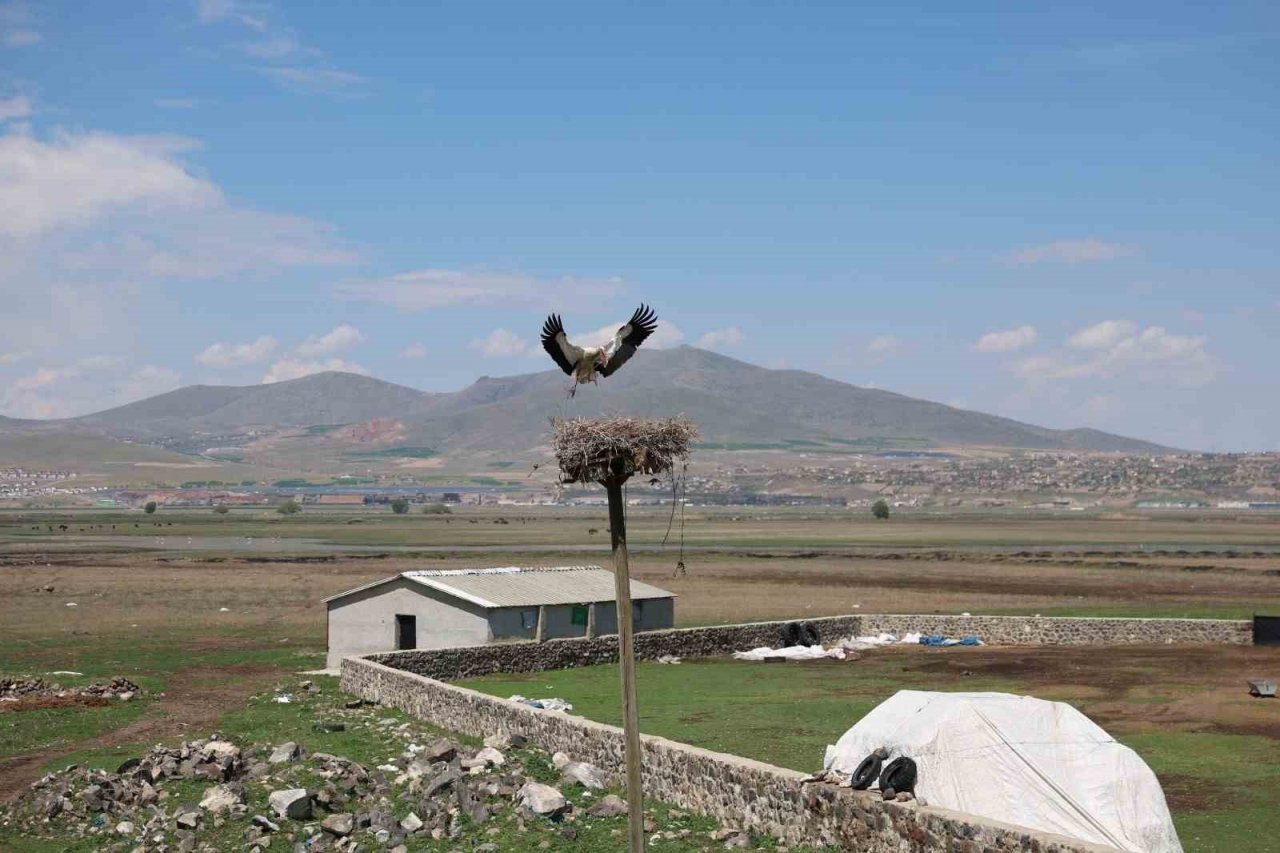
[[791, 653], [1019, 760]]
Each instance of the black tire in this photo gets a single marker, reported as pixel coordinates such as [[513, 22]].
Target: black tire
[[791, 634], [866, 773], [809, 634], [899, 774]]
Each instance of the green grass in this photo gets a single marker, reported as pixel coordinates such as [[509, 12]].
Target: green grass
[[786, 714], [393, 453], [783, 714], [264, 722]]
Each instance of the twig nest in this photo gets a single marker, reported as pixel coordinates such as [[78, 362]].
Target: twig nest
[[594, 450]]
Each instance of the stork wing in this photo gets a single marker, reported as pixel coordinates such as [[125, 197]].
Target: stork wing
[[557, 345], [628, 338]]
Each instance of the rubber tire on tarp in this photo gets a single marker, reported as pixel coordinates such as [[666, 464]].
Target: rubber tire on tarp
[[899, 774], [791, 634], [809, 634], [866, 773]]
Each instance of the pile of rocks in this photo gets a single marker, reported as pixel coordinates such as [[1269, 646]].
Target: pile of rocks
[[14, 689], [214, 794]]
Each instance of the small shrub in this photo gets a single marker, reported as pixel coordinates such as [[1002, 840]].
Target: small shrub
[[289, 507], [436, 509], [150, 508], [221, 509], [880, 509], [400, 506]]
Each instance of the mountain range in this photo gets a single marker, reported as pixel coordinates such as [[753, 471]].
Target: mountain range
[[325, 421]]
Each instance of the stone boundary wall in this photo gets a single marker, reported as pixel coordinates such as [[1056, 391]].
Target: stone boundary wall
[[472, 661], [736, 790]]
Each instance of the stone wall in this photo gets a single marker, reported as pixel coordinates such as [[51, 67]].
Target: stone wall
[[1066, 631], [736, 790], [468, 662]]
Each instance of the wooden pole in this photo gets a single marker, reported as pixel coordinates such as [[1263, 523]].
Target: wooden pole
[[626, 660]]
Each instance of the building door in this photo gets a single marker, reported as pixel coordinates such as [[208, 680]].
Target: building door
[[1266, 630], [406, 631]]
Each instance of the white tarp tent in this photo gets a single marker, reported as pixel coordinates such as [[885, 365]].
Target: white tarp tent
[[1018, 760]]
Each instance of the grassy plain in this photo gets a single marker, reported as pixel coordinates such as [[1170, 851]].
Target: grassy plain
[[205, 624]]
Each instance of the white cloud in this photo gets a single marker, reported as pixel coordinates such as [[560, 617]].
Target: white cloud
[[311, 80], [1121, 351], [342, 337], [666, 336], [1008, 340], [413, 351], [275, 46], [88, 385], [730, 336], [421, 290], [280, 48], [1071, 251], [1102, 335], [291, 367], [93, 224], [237, 355], [16, 25], [176, 103], [501, 343], [19, 106], [218, 11], [75, 178], [882, 348]]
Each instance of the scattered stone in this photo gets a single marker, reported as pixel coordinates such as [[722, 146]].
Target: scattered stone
[[325, 726], [288, 751], [221, 798], [265, 823], [440, 750], [586, 775], [188, 817], [294, 803], [542, 799], [491, 757], [904, 796], [506, 740], [611, 806], [411, 823], [340, 825], [124, 827]]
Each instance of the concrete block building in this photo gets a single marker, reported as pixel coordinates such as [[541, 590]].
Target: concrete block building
[[438, 609]]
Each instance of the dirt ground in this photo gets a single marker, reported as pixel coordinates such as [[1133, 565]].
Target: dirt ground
[[193, 701]]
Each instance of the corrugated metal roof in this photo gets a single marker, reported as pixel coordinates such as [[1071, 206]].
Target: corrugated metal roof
[[523, 586]]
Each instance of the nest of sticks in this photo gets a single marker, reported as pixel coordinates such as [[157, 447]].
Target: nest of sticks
[[594, 450]]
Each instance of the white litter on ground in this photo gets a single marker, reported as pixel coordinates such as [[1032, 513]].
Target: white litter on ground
[[283, 699], [791, 653], [551, 704], [1018, 760]]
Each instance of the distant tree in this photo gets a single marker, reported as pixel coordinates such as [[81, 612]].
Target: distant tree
[[436, 509], [150, 508], [221, 509], [400, 506], [289, 507], [880, 509]]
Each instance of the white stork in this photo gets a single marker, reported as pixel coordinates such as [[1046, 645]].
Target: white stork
[[583, 363]]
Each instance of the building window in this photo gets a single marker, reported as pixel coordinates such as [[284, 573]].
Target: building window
[[579, 616], [637, 612], [529, 618]]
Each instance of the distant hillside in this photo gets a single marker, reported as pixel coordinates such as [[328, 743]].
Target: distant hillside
[[734, 403], [738, 406], [324, 398]]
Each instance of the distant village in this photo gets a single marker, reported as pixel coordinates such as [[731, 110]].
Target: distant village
[[1039, 480]]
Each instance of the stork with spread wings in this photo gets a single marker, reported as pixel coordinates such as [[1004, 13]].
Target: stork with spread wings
[[583, 363]]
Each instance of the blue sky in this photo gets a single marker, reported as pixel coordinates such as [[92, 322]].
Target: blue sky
[[1061, 213]]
